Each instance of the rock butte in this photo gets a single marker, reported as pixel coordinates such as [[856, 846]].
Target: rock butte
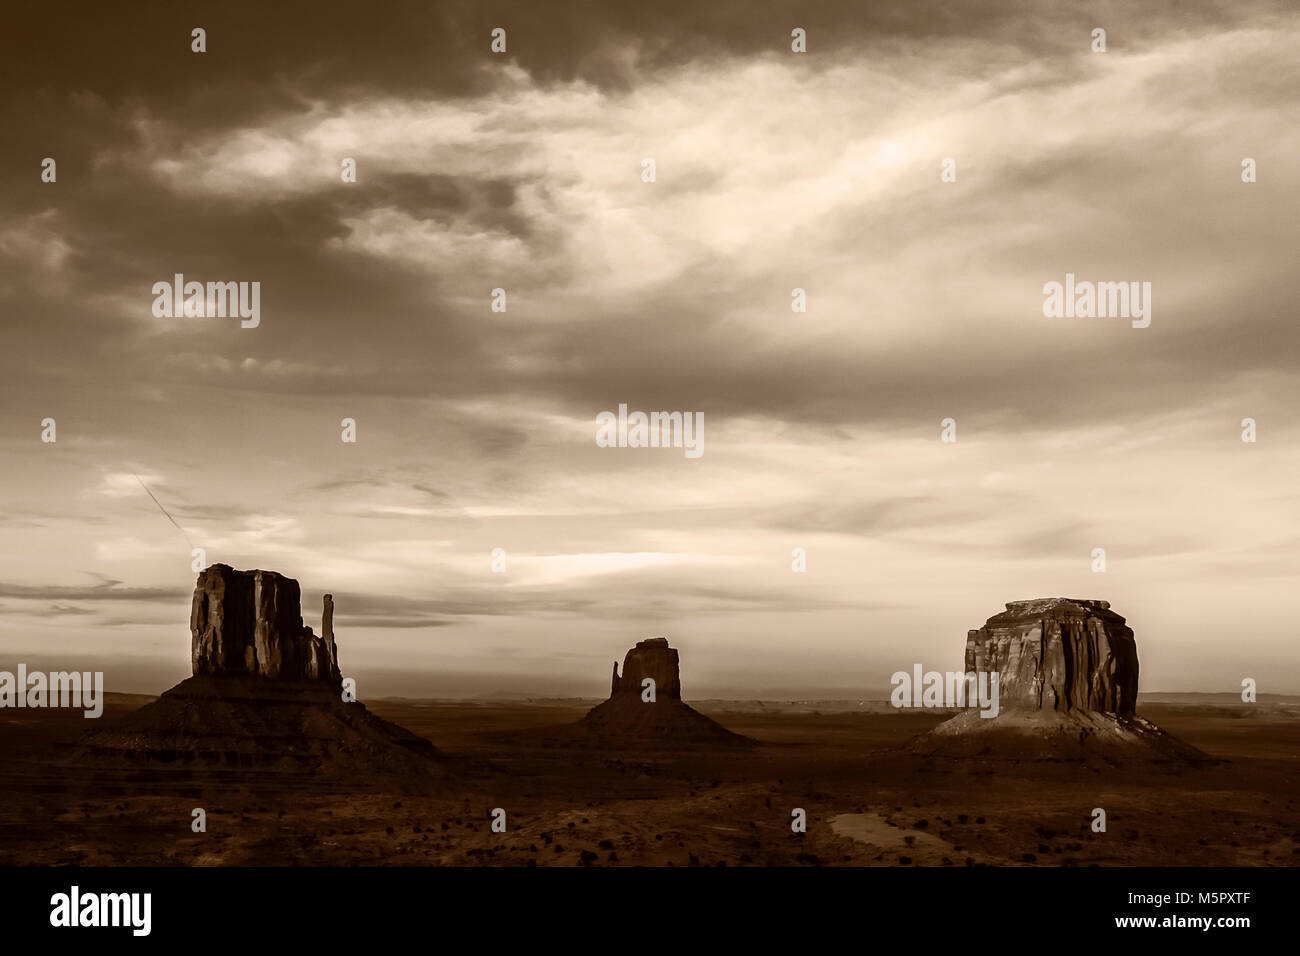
[[250, 623], [265, 696], [1058, 654], [651, 658], [625, 719], [1067, 686]]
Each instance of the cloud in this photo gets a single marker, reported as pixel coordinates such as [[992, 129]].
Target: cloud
[[104, 592], [126, 484], [37, 242], [775, 171]]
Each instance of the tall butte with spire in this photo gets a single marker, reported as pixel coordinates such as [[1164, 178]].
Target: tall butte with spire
[[250, 623], [266, 695]]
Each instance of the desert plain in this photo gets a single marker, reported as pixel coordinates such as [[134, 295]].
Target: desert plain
[[868, 800]]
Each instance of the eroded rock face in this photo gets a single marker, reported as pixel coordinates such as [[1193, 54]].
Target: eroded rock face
[[324, 664], [1058, 654], [250, 623], [629, 719], [650, 658]]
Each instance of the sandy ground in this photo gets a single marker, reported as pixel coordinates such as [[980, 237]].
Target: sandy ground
[[865, 805]]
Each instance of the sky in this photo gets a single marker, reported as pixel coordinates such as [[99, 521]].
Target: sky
[[475, 429]]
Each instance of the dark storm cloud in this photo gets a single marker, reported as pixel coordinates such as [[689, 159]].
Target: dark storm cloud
[[395, 610], [371, 480], [676, 594], [388, 622], [66, 610], [122, 230], [16, 521], [720, 600], [260, 52], [105, 592], [909, 512]]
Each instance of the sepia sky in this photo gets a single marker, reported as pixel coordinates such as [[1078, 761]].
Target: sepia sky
[[821, 429]]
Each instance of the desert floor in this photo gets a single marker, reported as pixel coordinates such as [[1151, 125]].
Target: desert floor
[[866, 805]]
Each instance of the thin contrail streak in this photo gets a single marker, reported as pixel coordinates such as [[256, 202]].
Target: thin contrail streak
[[164, 511]]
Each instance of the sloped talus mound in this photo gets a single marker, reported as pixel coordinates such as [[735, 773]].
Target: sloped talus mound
[[1067, 675], [627, 719], [238, 723], [1085, 738], [265, 698]]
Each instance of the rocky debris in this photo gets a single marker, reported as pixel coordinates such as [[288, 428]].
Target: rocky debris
[[1067, 688], [250, 623], [242, 726], [1058, 654], [1095, 739], [628, 720]]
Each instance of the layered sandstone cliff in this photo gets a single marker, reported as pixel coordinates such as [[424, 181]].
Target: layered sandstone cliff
[[1058, 654], [250, 623], [1067, 683]]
